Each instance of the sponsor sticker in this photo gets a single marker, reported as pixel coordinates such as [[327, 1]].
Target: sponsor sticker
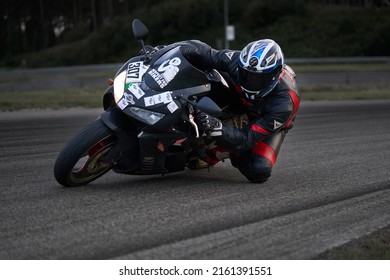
[[129, 98], [136, 90], [158, 78], [167, 97], [123, 103], [149, 101], [158, 99], [164, 97], [172, 107], [166, 71]]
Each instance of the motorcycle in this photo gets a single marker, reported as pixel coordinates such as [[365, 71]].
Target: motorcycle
[[147, 126]]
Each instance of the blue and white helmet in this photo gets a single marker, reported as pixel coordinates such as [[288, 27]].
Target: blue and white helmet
[[261, 63]]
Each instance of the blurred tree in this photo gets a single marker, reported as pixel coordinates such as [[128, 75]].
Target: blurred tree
[[95, 29]]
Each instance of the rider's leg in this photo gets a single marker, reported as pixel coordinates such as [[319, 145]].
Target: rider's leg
[[256, 164]]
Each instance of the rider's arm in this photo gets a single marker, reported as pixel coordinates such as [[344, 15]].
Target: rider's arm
[[203, 56]]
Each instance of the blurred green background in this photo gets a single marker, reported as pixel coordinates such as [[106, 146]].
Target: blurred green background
[[45, 33]]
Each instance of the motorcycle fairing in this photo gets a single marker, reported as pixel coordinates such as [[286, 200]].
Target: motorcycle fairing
[[154, 150], [172, 71], [159, 88], [154, 91]]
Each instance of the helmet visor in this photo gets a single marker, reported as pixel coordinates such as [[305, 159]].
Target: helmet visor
[[254, 82]]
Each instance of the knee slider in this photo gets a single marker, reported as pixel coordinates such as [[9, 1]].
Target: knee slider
[[260, 170]]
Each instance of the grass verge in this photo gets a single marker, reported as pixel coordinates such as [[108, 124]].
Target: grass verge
[[92, 98], [345, 92], [375, 246], [344, 67], [53, 99]]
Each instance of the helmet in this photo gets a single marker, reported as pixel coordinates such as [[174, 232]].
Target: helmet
[[260, 65]]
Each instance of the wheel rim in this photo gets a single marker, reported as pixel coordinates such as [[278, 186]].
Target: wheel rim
[[91, 164]]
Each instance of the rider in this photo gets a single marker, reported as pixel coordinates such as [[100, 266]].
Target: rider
[[262, 87]]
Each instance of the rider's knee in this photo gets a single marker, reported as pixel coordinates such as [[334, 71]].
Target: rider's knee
[[260, 170]]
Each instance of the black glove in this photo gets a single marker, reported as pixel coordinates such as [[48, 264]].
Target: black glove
[[208, 124]]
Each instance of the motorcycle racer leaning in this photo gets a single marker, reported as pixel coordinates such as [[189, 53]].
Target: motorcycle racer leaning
[[262, 87]]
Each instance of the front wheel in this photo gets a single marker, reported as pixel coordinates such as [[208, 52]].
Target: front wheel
[[81, 160]]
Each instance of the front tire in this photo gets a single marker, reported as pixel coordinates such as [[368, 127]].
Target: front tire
[[81, 160]]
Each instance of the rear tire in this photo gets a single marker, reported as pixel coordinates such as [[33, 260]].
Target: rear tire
[[81, 160]]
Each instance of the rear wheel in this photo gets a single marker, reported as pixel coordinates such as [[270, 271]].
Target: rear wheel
[[81, 160]]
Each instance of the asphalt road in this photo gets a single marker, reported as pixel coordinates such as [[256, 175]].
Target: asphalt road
[[331, 184]]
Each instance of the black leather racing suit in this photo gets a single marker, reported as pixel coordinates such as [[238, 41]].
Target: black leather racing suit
[[254, 148]]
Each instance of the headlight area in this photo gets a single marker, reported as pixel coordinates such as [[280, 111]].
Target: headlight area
[[146, 116], [119, 86]]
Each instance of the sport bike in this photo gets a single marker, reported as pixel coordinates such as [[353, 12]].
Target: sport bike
[[147, 126]]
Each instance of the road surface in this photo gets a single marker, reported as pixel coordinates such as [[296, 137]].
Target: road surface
[[331, 184]]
